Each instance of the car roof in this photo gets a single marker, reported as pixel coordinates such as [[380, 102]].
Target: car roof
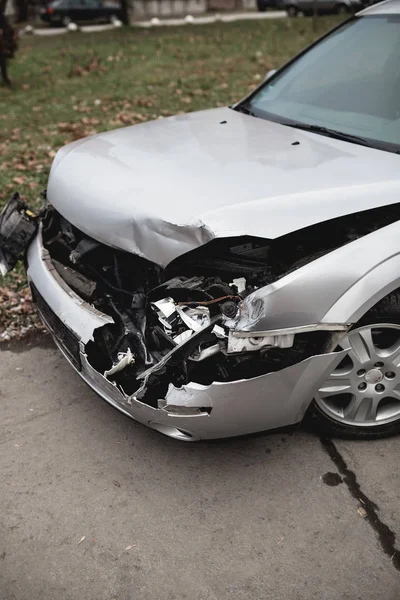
[[389, 7]]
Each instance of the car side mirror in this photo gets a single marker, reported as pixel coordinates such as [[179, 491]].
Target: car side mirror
[[270, 73]]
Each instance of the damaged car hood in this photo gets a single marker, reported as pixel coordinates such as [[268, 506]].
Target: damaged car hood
[[166, 187]]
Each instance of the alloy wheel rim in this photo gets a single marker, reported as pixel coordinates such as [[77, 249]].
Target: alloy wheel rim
[[364, 390]]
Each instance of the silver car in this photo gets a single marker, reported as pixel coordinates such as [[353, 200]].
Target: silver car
[[234, 270]]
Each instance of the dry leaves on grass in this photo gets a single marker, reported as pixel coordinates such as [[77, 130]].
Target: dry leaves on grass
[[146, 101], [129, 118], [86, 126], [17, 313], [93, 65]]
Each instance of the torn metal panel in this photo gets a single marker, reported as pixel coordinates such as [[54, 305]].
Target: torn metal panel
[[272, 400], [162, 218], [182, 351], [199, 355], [253, 344], [81, 284], [194, 318], [189, 400], [360, 274], [183, 336], [78, 315], [124, 359]]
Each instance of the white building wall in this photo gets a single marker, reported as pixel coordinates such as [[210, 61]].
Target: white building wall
[[171, 8]]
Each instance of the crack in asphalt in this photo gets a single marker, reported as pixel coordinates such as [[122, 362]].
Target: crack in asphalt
[[386, 537]]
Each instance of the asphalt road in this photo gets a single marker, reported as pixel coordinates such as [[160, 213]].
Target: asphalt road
[[97, 507]]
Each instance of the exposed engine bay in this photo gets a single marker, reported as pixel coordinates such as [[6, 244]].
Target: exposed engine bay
[[170, 324]]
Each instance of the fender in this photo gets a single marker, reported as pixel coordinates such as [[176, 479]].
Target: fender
[[337, 288]]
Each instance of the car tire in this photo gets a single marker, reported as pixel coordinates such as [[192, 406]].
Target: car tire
[[292, 11], [331, 415]]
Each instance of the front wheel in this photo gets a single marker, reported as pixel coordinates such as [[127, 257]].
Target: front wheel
[[361, 398]]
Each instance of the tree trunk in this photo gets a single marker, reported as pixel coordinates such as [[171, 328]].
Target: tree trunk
[[22, 10], [125, 11], [315, 15]]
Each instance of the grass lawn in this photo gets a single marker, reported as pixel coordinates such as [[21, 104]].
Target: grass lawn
[[73, 85]]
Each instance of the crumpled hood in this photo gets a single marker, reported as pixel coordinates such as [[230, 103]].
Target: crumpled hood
[[168, 186]]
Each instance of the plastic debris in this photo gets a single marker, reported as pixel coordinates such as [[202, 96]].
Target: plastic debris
[[124, 359]]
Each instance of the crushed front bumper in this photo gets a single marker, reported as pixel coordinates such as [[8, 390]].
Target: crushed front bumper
[[229, 409]]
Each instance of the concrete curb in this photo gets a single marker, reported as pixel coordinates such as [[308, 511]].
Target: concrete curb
[[156, 22]]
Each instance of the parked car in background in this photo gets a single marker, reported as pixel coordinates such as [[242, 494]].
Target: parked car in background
[[263, 5], [306, 7], [63, 12]]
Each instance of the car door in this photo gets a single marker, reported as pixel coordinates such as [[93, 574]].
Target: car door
[[61, 10], [75, 10], [327, 6], [307, 6], [92, 10]]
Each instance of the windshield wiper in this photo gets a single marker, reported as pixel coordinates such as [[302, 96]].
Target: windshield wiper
[[244, 108], [339, 135]]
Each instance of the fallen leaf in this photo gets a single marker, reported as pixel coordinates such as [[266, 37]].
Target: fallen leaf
[[20, 180], [116, 483]]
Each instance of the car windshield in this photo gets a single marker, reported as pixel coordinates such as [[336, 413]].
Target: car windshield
[[349, 83]]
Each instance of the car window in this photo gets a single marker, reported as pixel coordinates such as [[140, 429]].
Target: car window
[[349, 81], [91, 3], [364, 59]]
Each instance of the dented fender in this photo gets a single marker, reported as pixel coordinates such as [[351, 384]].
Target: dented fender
[[335, 289]]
